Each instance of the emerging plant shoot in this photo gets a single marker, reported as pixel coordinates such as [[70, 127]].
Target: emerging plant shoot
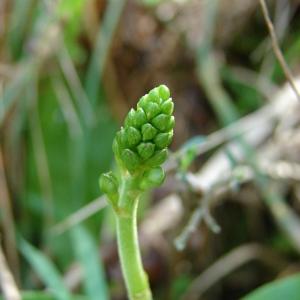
[[140, 148]]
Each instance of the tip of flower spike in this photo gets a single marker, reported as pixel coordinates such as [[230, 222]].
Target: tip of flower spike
[[164, 92], [154, 96], [147, 132]]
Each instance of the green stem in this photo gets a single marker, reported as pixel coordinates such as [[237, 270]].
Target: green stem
[[135, 277]]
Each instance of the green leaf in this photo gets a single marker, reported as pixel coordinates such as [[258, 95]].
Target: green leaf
[[286, 288], [20, 20], [71, 11], [46, 270], [102, 46], [70, 8], [32, 295], [87, 253]]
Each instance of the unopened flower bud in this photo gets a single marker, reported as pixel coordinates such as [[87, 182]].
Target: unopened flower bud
[[108, 183], [152, 178], [130, 159], [129, 118], [139, 118], [167, 107], [158, 158], [148, 132], [152, 109], [146, 150], [163, 122], [154, 96], [163, 140], [143, 101], [136, 118], [164, 92], [121, 138], [133, 136]]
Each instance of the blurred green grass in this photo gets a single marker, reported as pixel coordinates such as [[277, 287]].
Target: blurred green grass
[[66, 137], [62, 127]]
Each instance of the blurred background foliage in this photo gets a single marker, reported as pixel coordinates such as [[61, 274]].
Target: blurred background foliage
[[69, 72]]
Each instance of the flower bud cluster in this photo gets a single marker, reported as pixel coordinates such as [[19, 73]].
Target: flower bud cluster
[[148, 130]]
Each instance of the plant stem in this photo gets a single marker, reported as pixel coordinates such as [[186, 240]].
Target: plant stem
[[135, 277]]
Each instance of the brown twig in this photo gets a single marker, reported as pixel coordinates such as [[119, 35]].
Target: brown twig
[[277, 50], [7, 282], [79, 216], [7, 220]]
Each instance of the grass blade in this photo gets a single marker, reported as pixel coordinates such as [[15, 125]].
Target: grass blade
[[33, 295], [88, 255], [286, 288], [103, 42], [46, 270]]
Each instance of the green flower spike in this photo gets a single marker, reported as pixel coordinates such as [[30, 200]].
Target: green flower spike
[[153, 123], [140, 148]]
